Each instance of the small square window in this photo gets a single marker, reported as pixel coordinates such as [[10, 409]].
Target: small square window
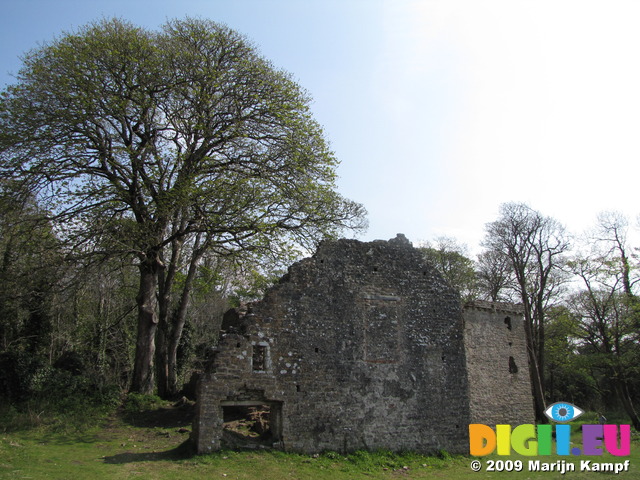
[[259, 358]]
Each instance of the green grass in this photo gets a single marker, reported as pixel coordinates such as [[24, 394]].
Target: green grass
[[152, 444]]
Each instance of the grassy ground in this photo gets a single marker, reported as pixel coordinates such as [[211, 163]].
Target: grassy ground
[[153, 444]]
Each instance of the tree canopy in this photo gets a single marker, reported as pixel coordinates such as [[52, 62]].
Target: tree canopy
[[141, 143]]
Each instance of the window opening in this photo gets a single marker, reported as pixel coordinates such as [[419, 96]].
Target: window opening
[[259, 358], [507, 322], [513, 368]]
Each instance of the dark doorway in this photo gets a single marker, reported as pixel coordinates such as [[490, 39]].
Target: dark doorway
[[249, 424]]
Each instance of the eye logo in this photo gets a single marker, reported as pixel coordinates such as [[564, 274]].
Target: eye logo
[[563, 412]]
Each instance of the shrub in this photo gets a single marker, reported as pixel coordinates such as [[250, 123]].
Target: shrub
[[138, 402]]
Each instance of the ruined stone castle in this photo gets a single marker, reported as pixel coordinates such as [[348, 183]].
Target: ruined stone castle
[[364, 346]]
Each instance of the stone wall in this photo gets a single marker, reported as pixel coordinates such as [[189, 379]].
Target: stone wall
[[497, 364], [360, 347]]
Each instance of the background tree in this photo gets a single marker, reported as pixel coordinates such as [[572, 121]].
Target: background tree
[[568, 377], [161, 146], [30, 264], [606, 332], [610, 236], [534, 245], [495, 277], [451, 260], [96, 319], [606, 311]]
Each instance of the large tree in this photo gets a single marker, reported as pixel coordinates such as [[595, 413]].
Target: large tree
[[534, 246], [164, 145]]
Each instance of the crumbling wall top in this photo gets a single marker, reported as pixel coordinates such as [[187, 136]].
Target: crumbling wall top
[[504, 307]]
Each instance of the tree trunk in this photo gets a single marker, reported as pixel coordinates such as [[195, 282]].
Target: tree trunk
[[162, 363], [172, 320], [166, 282], [143, 375], [540, 345], [178, 320], [536, 380], [162, 333]]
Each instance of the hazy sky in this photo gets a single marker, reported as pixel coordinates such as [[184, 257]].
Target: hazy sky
[[439, 110]]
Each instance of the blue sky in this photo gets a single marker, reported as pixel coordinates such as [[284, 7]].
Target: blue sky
[[439, 110]]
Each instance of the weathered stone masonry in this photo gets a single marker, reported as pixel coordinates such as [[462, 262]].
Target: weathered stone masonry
[[365, 346]]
